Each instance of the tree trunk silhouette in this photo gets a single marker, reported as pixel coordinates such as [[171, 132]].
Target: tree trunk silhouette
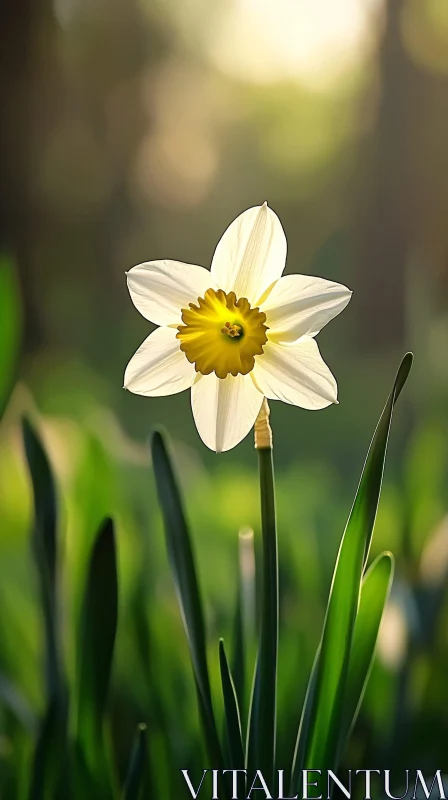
[[28, 77], [383, 222]]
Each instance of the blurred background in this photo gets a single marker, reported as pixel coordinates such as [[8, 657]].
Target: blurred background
[[136, 130]]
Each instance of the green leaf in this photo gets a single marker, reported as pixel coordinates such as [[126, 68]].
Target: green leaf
[[262, 719], [231, 710], [50, 754], [323, 735], [374, 593], [10, 328], [134, 779], [96, 648], [50, 760], [45, 546], [182, 562], [306, 721], [239, 654]]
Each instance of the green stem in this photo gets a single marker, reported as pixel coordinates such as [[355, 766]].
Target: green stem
[[262, 724]]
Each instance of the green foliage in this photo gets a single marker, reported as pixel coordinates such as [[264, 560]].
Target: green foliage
[[375, 590], [134, 779], [329, 681], [50, 757], [232, 712], [96, 647], [126, 669], [182, 563], [45, 544]]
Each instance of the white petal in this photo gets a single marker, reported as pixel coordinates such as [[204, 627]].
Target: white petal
[[295, 373], [224, 410], [160, 289], [251, 254], [159, 367], [300, 305]]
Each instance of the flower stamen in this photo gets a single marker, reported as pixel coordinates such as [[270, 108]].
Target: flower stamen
[[232, 330], [213, 342]]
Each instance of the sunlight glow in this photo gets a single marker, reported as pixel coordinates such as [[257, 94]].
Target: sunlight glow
[[315, 41]]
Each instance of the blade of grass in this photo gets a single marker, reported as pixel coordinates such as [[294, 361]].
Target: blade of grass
[[232, 713], [305, 724], [374, 594], [261, 742], [134, 779], [44, 542], [182, 562], [322, 745], [96, 646], [50, 754], [239, 653]]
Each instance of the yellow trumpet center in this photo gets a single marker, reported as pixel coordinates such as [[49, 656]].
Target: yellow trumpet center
[[222, 334]]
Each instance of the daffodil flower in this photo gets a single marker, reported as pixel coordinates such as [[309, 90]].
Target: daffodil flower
[[235, 333]]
